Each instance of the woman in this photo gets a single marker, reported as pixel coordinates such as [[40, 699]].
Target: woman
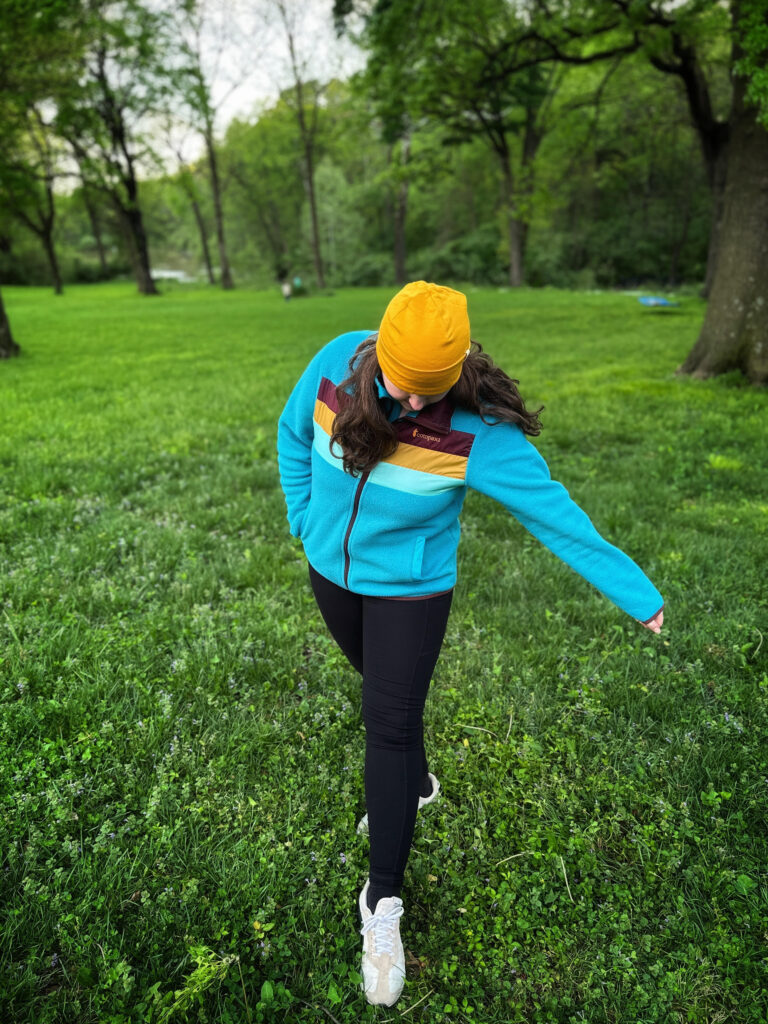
[[377, 445]]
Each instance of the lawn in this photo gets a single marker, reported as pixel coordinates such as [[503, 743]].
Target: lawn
[[181, 745]]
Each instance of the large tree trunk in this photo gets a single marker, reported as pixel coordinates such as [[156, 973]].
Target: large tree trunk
[[127, 203], [137, 241], [50, 251], [515, 231], [42, 228], [203, 239], [227, 282], [734, 335], [310, 187], [401, 212], [96, 232], [517, 203], [308, 134], [8, 346], [188, 185], [43, 231], [48, 219], [132, 224]]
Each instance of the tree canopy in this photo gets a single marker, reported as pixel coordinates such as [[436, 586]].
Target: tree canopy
[[541, 142]]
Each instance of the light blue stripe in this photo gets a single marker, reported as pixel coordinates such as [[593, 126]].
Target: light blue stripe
[[385, 474], [412, 481], [322, 447]]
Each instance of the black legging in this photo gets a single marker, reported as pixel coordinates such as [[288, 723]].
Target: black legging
[[394, 645]]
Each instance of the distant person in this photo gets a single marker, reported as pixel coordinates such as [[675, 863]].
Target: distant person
[[285, 288], [377, 445]]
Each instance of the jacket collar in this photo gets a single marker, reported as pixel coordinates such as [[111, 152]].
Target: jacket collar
[[436, 417]]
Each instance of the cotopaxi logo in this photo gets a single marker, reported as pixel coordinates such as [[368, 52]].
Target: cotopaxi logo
[[425, 437]]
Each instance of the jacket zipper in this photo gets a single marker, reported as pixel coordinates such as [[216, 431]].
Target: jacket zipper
[[353, 517]]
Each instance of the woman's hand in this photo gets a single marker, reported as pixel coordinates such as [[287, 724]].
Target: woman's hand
[[655, 623]]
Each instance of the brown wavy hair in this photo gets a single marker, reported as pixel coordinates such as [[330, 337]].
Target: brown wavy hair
[[366, 436]]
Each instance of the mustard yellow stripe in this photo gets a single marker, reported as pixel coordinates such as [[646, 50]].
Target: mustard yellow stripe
[[407, 455], [324, 416], [428, 461]]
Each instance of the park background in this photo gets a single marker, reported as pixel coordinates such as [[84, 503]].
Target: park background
[[181, 745]]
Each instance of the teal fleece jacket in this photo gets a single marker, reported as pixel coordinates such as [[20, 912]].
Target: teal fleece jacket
[[394, 531]]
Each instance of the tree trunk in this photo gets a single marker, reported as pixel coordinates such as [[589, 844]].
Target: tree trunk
[[47, 220], [532, 137], [734, 335], [188, 185], [42, 228], [96, 232], [8, 346], [516, 234], [310, 186], [515, 231], [137, 239], [717, 173], [401, 211], [227, 283], [203, 239], [308, 134], [46, 238], [43, 231], [127, 203]]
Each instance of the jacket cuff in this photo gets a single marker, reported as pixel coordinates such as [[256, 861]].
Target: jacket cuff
[[652, 617]]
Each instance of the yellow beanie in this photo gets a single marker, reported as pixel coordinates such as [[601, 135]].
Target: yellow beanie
[[424, 338]]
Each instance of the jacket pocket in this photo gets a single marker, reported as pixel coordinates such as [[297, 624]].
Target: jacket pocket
[[298, 523], [418, 558]]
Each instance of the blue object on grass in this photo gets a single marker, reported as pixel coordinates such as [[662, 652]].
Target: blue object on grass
[[656, 300]]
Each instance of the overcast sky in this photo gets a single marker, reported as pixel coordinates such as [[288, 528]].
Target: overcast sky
[[246, 43]]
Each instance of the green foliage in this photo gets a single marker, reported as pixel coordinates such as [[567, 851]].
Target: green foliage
[[371, 270], [38, 49], [473, 70], [181, 747], [266, 192], [170, 221], [340, 224], [473, 257], [620, 194], [22, 260], [616, 194], [125, 79], [752, 33]]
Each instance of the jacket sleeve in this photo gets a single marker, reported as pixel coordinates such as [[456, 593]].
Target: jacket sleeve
[[506, 466], [295, 432]]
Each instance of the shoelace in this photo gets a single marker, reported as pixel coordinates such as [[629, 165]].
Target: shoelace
[[384, 929]]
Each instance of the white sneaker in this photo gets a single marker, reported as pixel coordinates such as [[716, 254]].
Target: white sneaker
[[383, 957], [362, 825]]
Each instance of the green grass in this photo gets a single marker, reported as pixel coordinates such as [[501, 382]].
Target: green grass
[[181, 745]]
